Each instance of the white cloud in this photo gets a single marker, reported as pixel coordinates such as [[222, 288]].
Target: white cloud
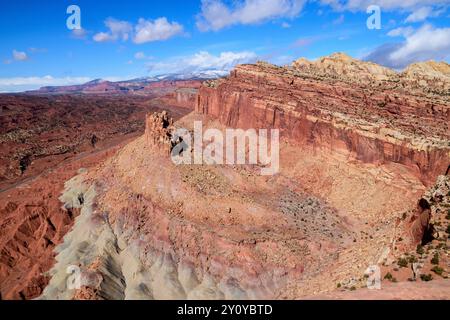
[[30, 83], [202, 61], [102, 37], [19, 55], [142, 56], [285, 25], [144, 31], [216, 15], [79, 33], [422, 14], [37, 50], [160, 29], [118, 30], [401, 31], [426, 43], [139, 55], [339, 20], [362, 5]]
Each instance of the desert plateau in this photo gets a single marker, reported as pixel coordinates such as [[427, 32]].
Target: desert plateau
[[362, 182], [215, 150]]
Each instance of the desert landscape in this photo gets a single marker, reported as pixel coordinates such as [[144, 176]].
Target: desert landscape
[[46, 138], [364, 180], [252, 155]]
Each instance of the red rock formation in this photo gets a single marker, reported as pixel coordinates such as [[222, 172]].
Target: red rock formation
[[344, 199], [157, 131], [55, 135], [374, 124], [176, 93], [33, 222]]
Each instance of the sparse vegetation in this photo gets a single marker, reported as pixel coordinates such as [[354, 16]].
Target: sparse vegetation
[[390, 277], [435, 259], [420, 249], [438, 270], [426, 277], [402, 263]]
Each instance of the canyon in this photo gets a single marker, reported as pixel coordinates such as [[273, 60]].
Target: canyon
[[363, 181], [44, 140]]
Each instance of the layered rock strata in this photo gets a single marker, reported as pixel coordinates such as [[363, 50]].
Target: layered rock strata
[[360, 110], [355, 158]]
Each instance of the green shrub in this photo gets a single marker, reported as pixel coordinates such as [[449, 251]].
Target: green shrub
[[420, 249], [435, 259], [440, 246], [426, 277], [412, 259], [438, 270], [389, 276], [402, 263]]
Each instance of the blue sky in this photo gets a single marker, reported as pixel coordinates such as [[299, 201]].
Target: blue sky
[[126, 39]]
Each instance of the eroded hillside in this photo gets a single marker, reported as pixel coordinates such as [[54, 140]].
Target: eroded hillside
[[355, 159]]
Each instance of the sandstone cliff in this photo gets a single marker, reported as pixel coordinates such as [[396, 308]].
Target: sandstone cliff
[[358, 109], [355, 159]]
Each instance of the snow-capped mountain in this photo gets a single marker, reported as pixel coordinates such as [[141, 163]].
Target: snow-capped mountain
[[133, 85]]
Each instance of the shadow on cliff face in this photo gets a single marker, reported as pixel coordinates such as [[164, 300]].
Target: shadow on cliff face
[[424, 218], [24, 163]]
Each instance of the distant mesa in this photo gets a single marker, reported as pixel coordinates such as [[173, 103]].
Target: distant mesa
[[337, 66], [137, 85]]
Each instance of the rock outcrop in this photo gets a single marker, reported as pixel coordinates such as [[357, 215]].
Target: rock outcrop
[[355, 158], [358, 109], [44, 140]]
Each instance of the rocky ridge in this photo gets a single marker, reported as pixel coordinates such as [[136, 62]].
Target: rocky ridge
[[431, 77], [355, 161], [328, 104]]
